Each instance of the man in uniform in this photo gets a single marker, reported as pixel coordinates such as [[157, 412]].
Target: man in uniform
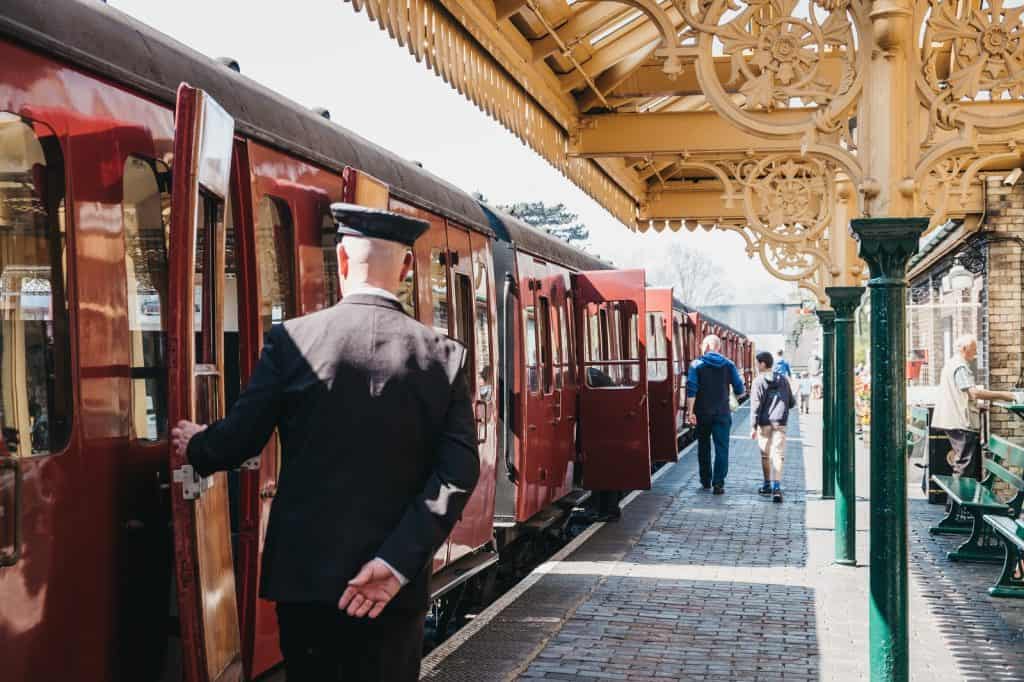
[[956, 409], [378, 458]]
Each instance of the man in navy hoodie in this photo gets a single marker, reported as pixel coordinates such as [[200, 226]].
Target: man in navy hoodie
[[707, 405]]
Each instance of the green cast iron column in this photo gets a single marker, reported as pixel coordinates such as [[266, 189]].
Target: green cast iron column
[[828, 377], [844, 302], [886, 244]]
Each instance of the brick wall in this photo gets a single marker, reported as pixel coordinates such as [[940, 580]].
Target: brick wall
[[1005, 215]]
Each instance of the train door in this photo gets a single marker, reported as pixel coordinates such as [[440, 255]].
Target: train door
[[614, 435], [473, 315], [660, 379], [541, 460], [207, 606], [433, 302], [565, 377]]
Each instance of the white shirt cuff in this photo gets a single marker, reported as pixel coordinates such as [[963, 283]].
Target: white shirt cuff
[[402, 580]]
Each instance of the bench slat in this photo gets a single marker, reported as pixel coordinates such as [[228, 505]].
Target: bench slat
[[1001, 472], [1007, 452], [1010, 529], [969, 492]]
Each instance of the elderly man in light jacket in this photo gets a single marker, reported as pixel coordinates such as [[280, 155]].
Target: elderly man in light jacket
[[957, 411]]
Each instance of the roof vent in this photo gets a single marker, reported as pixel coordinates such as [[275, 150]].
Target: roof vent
[[418, 163], [231, 63], [322, 112]]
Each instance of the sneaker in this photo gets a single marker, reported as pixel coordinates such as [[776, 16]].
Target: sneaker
[[765, 489], [705, 486], [777, 495], [719, 489]]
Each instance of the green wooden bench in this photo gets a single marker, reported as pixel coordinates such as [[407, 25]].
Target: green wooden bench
[[1011, 532], [970, 499]]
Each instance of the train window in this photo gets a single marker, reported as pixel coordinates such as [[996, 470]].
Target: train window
[[677, 345], [275, 259], [407, 291], [332, 288], [439, 290], [482, 317], [146, 209], [611, 358], [558, 345], [544, 332], [532, 380], [462, 297], [569, 342], [35, 349], [657, 347]]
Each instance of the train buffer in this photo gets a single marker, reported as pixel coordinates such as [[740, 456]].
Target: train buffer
[[691, 586]]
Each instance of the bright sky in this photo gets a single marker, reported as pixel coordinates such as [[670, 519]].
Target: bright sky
[[322, 53]]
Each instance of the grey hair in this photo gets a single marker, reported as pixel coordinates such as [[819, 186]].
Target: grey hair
[[963, 341], [711, 342]]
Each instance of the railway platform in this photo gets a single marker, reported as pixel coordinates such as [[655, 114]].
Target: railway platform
[[691, 586]]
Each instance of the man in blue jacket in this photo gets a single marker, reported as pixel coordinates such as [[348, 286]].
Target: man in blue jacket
[[707, 405]]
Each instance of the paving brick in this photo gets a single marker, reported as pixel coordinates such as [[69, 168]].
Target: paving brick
[[691, 586]]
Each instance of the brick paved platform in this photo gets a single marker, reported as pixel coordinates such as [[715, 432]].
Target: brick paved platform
[[690, 586]]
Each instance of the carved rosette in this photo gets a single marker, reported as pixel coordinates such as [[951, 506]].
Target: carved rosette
[[783, 54], [972, 54]]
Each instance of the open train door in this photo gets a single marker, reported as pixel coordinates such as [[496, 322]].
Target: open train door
[[207, 608], [660, 380], [614, 436]]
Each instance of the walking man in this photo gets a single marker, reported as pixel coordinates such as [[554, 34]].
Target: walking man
[[805, 393], [770, 402], [782, 366], [707, 405], [378, 459], [956, 409]]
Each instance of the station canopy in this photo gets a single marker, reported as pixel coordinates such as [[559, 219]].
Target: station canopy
[[756, 117]]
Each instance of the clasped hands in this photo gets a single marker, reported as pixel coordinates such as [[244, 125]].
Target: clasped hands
[[367, 594]]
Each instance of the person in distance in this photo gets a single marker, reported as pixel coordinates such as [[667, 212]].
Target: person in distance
[[378, 458], [956, 409], [771, 399], [707, 406]]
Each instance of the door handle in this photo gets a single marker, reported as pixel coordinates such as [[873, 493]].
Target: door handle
[[480, 414], [269, 490], [10, 512]]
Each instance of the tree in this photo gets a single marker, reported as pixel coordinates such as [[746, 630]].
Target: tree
[[696, 279], [556, 220]]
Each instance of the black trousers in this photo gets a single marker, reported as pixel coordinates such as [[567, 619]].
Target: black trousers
[[967, 448], [322, 644]]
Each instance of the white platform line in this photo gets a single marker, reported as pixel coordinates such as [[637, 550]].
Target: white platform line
[[435, 657]]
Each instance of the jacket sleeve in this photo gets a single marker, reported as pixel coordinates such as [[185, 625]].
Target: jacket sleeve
[[738, 387], [241, 435], [692, 383], [790, 399], [755, 402], [429, 518]]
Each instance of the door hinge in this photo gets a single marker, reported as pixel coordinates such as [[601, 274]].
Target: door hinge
[[192, 484]]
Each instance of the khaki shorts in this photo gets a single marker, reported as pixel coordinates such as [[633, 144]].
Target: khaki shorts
[[772, 442]]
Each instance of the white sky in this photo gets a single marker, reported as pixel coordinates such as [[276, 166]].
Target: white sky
[[322, 53]]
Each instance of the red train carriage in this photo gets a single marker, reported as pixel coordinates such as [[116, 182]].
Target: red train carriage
[[112, 328]]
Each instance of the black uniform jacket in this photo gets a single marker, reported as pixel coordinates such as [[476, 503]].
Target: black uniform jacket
[[378, 447]]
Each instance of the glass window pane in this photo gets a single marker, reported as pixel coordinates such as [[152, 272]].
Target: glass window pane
[[146, 210], [332, 290], [532, 378], [545, 342], [35, 352], [275, 259], [485, 368], [612, 328], [439, 291]]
